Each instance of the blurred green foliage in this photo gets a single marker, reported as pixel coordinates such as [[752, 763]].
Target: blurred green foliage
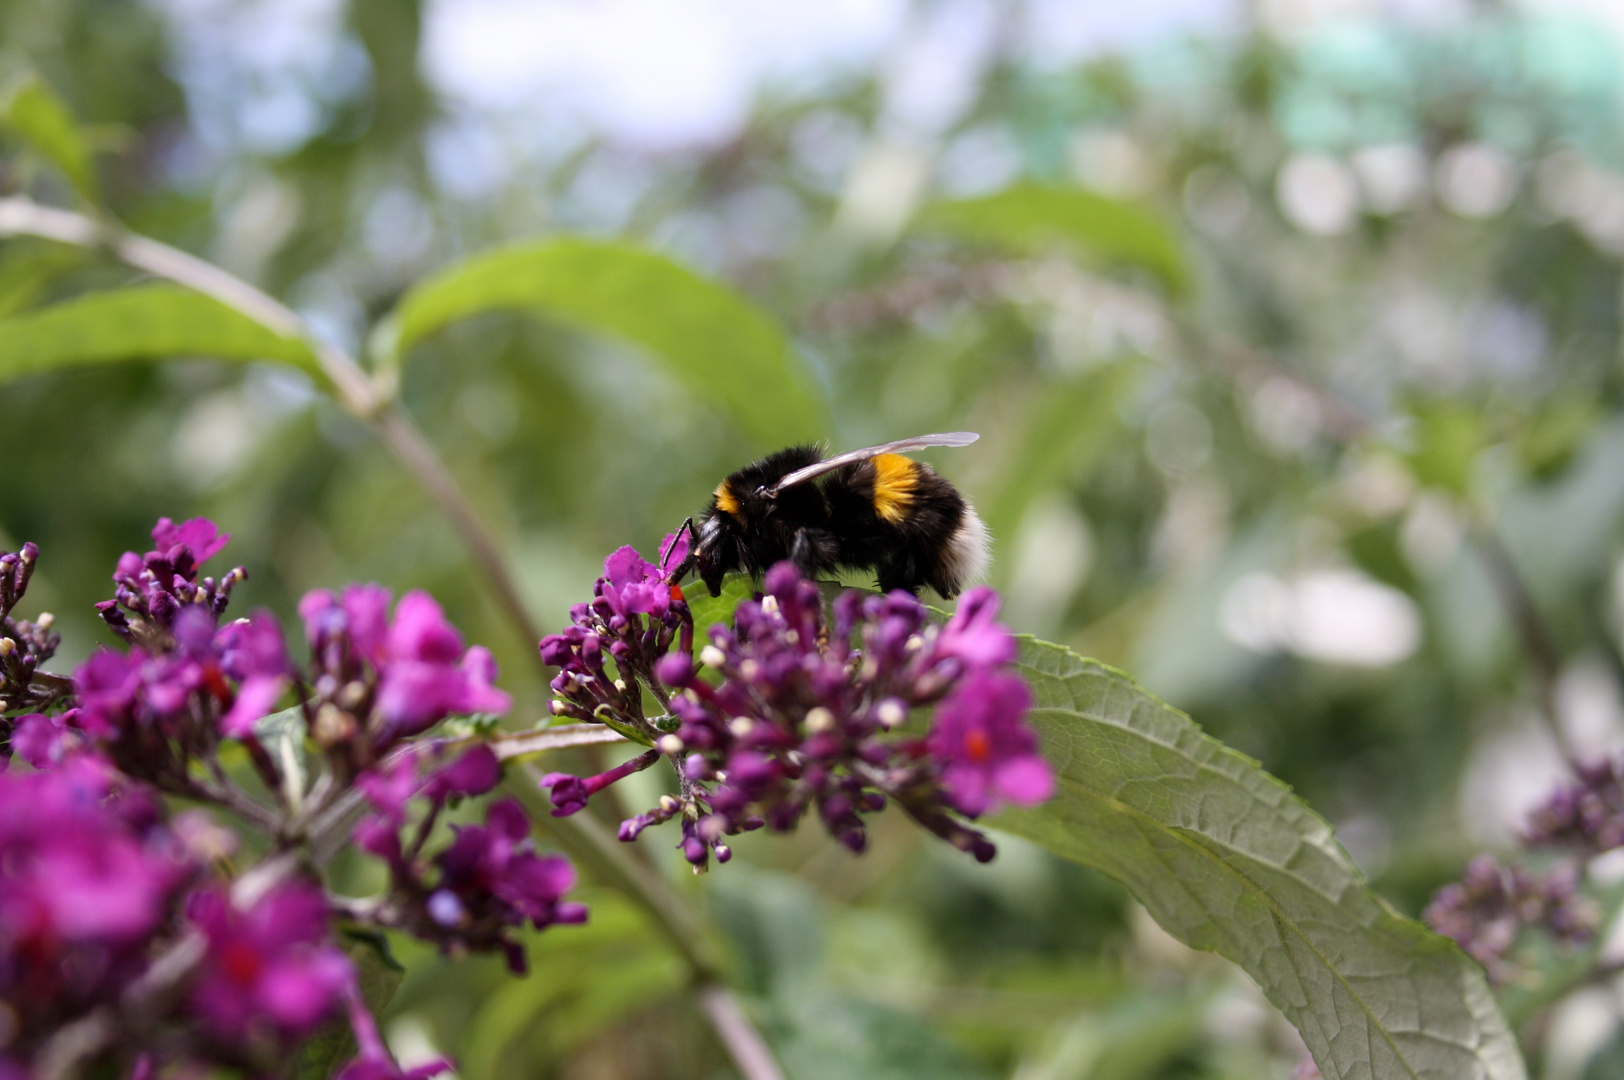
[[1267, 336]]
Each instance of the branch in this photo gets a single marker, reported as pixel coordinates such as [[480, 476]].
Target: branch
[[744, 1043], [360, 395], [562, 737], [1543, 658]]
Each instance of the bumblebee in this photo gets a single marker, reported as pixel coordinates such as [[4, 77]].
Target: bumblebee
[[873, 509]]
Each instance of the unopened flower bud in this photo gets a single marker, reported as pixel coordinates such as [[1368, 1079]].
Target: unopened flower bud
[[819, 720], [769, 605], [558, 707], [333, 726], [669, 744], [669, 804], [45, 620], [890, 713], [7, 646], [741, 727], [352, 694], [712, 657]]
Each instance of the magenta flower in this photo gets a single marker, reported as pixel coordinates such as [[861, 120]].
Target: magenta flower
[[268, 967], [990, 755], [88, 875], [491, 879], [570, 793], [252, 651], [361, 617], [803, 714], [633, 586], [199, 535], [414, 667], [107, 684], [474, 773], [154, 588], [972, 636], [39, 740]]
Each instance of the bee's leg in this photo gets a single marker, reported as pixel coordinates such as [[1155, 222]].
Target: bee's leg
[[814, 551], [897, 573], [688, 561]]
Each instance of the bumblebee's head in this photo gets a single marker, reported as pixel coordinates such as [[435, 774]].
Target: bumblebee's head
[[718, 549]]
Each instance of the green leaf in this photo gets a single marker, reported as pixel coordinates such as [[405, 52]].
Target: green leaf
[[377, 975], [38, 115], [27, 269], [142, 322], [1448, 436], [1030, 217], [1067, 432], [1228, 860], [282, 734], [708, 336], [708, 610]]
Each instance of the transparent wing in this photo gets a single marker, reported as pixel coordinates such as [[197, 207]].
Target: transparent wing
[[901, 446]]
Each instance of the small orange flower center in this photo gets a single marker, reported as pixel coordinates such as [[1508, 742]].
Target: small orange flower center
[[241, 962], [977, 747]]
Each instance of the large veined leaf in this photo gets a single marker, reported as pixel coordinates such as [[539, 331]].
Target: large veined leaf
[[1030, 217], [143, 322], [31, 110], [1227, 859], [705, 334]]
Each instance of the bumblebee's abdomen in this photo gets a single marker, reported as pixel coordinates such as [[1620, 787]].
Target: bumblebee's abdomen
[[896, 516]]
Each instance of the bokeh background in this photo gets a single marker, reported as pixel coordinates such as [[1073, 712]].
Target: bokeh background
[[1317, 427]]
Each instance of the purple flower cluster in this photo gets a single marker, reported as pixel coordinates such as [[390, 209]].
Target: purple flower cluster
[[153, 589], [634, 618], [88, 875], [270, 974], [798, 714], [378, 679], [485, 882], [112, 920], [25, 645], [1489, 908], [93, 881], [160, 706], [1586, 816]]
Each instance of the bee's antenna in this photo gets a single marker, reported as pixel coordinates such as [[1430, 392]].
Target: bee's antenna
[[687, 563]]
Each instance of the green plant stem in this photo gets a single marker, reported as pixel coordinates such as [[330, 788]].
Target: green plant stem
[[584, 837]]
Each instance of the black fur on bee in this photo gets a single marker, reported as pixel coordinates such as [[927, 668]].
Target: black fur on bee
[[870, 509]]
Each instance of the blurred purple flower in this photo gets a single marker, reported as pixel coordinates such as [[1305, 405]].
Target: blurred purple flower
[[413, 669], [88, 875], [199, 535], [271, 965], [39, 739], [500, 881], [1491, 905], [373, 1060], [990, 755]]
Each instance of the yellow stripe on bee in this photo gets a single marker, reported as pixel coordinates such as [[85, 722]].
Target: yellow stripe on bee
[[894, 480], [725, 502]]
